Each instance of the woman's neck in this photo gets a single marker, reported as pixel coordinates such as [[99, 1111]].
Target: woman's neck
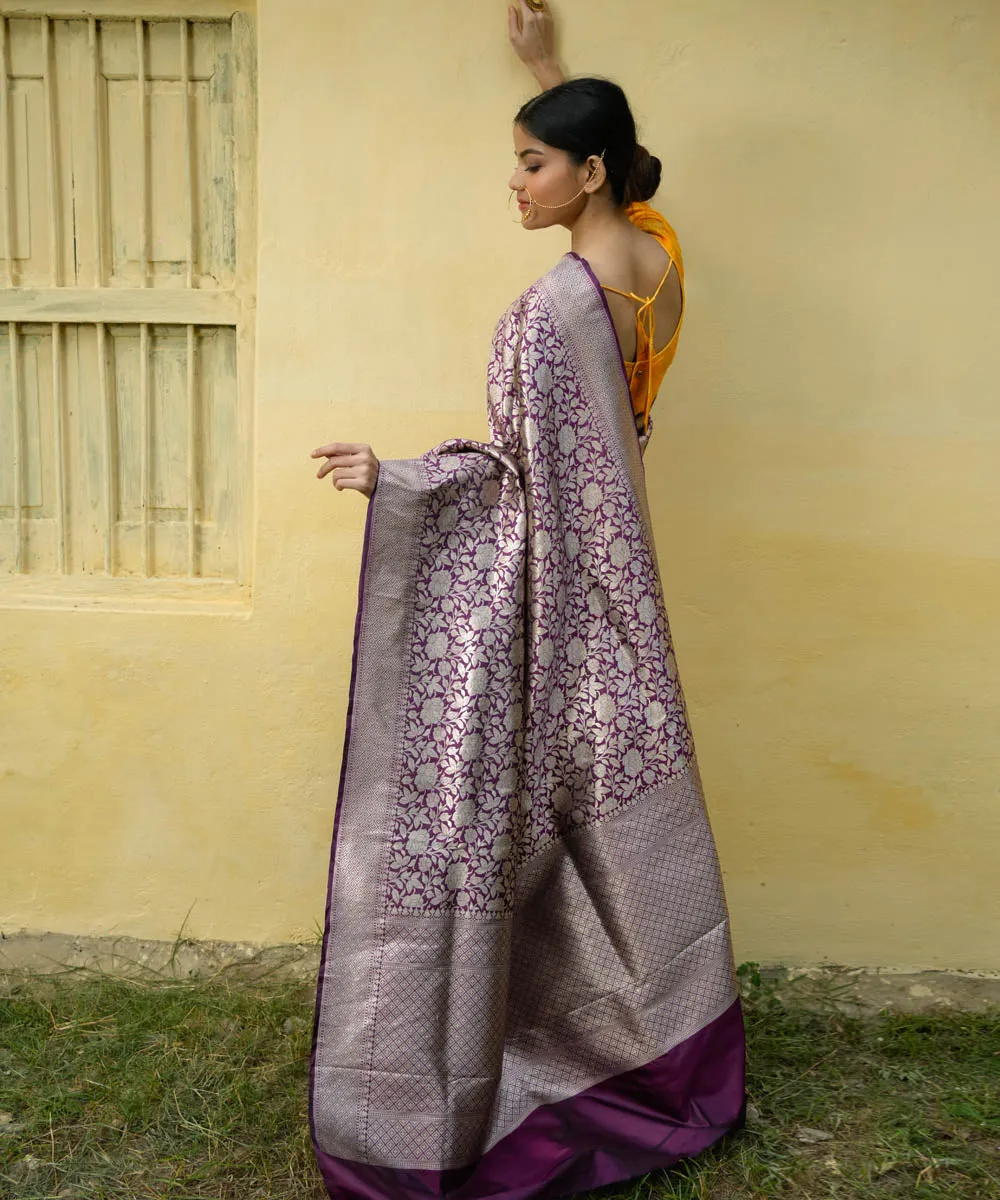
[[598, 229]]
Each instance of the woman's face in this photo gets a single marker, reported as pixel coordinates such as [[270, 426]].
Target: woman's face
[[551, 178]]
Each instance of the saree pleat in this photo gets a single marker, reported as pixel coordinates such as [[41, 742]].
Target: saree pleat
[[527, 985]]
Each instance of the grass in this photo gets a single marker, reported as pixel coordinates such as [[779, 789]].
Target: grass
[[114, 1089]]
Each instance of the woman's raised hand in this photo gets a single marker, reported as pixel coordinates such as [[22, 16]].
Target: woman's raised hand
[[532, 34], [352, 465]]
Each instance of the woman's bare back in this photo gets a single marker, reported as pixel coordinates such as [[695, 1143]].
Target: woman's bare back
[[637, 265]]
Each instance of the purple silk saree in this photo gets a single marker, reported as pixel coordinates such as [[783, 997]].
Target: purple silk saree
[[527, 985]]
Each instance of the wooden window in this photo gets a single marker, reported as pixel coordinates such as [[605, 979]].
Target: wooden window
[[127, 301]]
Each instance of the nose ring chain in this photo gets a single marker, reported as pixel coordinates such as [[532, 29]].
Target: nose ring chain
[[533, 203]]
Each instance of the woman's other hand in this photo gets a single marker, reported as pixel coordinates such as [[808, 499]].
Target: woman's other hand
[[352, 465], [532, 34]]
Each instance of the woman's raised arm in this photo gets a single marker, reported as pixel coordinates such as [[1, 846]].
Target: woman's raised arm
[[532, 34]]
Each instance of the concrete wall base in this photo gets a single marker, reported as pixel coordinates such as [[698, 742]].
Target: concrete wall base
[[825, 985]]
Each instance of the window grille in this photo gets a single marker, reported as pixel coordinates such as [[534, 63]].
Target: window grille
[[127, 298]]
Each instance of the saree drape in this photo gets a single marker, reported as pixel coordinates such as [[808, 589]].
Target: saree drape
[[527, 985]]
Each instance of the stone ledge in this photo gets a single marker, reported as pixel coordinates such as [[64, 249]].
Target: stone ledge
[[126, 957], [866, 990], [848, 989]]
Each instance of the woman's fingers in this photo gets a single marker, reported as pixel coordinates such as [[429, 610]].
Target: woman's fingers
[[531, 33], [342, 454], [350, 465], [340, 448], [342, 462], [519, 20], [344, 478], [360, 483]]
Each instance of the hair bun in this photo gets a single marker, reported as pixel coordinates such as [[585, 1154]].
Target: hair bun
[[644, 175]]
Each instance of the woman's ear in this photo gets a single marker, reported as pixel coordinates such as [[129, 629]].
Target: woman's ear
[[597, 176]]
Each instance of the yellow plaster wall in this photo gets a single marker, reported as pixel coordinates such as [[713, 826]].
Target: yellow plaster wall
[[824, 471]]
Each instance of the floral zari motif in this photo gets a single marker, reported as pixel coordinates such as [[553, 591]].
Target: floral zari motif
[[543, 691]]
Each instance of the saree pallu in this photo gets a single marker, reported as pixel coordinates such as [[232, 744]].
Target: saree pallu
[[527, 986]]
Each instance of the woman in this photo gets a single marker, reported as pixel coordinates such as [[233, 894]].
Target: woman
[[527, 986]]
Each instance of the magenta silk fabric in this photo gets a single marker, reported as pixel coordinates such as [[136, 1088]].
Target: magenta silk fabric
[[527, 985]]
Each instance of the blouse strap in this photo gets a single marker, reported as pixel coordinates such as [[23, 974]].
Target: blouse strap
[[646, 310], [643, 300]]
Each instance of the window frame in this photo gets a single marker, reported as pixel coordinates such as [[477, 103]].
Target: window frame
[[143, 306]]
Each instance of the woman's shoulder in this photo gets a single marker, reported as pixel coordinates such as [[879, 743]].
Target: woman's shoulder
[[522, 312], [540, 312], [533, 304], [650, 220]]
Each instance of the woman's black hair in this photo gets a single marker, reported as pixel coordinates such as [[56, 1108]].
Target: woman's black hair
[[585, 116]]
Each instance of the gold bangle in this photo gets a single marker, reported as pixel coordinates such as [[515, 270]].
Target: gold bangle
[[536, 5]]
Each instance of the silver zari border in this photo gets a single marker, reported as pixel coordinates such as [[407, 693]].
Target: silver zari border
[[356, 917]]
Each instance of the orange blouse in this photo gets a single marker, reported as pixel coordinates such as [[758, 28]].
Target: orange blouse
[[645, 373]]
